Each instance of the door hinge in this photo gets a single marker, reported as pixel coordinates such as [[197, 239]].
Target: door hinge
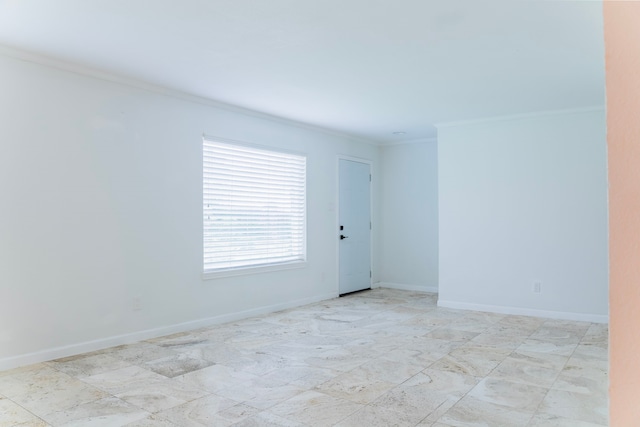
[[370, 274], [370, 227], [369, 177]]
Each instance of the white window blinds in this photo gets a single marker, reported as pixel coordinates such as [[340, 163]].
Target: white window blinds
[[254, 206]]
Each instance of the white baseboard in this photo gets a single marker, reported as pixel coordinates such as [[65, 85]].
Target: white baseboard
[[406, 287], [100, 344], [583, 317]]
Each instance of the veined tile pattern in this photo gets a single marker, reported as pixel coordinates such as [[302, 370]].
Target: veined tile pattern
[[378, 358]]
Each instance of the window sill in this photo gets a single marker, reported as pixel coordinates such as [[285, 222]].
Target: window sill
[[244, 271]]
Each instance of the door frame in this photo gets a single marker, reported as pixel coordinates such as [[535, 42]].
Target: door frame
[[337, 218]]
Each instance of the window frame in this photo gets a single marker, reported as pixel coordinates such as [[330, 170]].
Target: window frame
[[256, 268]]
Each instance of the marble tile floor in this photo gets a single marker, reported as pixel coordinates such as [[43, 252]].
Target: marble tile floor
[[377, 358]]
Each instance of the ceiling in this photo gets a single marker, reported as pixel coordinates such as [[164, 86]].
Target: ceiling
[[367, 68]]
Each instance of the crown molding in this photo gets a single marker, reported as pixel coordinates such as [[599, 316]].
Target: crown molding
[[86, 71], [524, 116], [430, 140]]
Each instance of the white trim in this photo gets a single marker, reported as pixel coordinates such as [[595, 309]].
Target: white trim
[[546, 113], [407, 287], [583, 317], [86, 71], [354, 159], [100, 344], [256, 145], [244, 271]]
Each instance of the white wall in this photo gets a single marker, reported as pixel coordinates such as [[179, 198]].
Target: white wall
[[101, 202], [409, 216], [525, 200]]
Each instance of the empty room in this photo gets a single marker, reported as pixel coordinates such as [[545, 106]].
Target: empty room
[[329, 213]]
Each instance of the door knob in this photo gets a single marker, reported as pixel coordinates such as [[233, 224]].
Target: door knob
[[342, 237]]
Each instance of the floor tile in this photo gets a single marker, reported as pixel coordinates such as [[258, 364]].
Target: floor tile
[[471, 412], [237, 413], [13, 414], [559, 334], [524, 397], [216, 354], [374, 416], [175, 365], [431, 348], [472, 360], [415, 400], [452, 384], [316, 409], [582, 378], [267, 419], [86, 365], [388, 370], [468, 325], [180, 341], [550, 347], [145, 389], [547, 360], [575, 326], [597, 333], [255, 388], [140, 352], [522, 370], [109, 411], [356, 386], [596, 351], [522, 322], [152, 421], [547, 420], [200, 412], [491, 339], [339, 360], [577, 406], [452, 334], [381, 357], [437, 413], [45, 390], [315, 377], [215, 378]]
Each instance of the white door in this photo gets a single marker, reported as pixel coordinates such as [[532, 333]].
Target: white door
[[354, 230]]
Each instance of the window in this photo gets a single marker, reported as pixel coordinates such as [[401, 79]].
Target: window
[[254, 207]]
